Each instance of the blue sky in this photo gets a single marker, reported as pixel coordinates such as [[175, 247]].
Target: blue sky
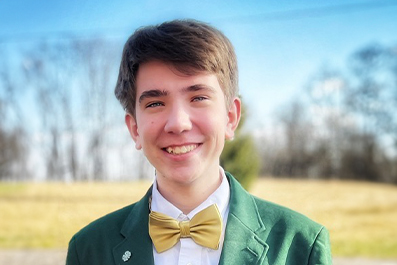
[[279, 44]]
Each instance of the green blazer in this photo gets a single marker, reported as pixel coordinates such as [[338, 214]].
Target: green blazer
[[257, 232]]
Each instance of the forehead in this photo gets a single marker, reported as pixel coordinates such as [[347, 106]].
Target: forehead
[[165, 76]]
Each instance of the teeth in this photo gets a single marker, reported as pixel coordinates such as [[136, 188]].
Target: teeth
[[181, 149]]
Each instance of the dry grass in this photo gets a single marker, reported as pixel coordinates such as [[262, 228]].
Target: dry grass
[[47, 215], [361, 217]]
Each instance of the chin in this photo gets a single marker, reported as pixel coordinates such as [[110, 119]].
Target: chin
[[178, 177]]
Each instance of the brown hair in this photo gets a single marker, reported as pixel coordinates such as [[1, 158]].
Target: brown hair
[[189, 45]]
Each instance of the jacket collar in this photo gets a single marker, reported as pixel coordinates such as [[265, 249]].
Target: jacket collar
[[136, 232], [244, 230]]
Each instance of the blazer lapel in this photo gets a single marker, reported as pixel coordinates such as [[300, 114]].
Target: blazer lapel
[[137, 246], [243, 243]]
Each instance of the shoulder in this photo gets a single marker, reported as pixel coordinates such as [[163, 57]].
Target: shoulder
[[293, 238], [112, 225], [93, 244], [296, 236], [104, 227], [272, 213]]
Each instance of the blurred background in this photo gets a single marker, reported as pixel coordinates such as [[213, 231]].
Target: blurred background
[[318, 82]]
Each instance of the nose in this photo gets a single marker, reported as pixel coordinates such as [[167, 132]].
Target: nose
[[178, 120]]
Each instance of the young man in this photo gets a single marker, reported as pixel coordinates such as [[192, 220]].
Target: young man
[[178, 84]]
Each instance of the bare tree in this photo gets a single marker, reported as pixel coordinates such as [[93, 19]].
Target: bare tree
[[48, 71], [353, 114], [73, 113], [372, 97], [373, 91], [330, 121], [12, 153], [13, 144], [292, 155], [96, 59]]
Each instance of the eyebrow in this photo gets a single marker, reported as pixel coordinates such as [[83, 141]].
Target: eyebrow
[[199, 87], [154, 93]]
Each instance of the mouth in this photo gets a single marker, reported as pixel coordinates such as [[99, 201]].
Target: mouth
[[180, 150]]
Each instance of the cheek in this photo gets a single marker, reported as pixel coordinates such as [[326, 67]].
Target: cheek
[[214, 124], [151, 129]]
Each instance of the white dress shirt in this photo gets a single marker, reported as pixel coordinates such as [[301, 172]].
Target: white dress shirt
[[186, 251]]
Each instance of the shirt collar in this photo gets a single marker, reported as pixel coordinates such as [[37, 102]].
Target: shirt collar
[[220, 197]]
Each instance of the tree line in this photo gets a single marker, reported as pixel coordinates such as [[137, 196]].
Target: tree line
[[59, 119], [343, 126]]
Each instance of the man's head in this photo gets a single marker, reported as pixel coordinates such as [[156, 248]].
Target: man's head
[[190, 46]]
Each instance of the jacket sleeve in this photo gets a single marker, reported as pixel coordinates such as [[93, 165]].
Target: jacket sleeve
[[321, 249], [72, 257]]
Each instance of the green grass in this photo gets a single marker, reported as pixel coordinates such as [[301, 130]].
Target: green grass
[[361, 217]]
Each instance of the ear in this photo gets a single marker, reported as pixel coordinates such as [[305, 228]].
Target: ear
[[133, 129], [234, 114]]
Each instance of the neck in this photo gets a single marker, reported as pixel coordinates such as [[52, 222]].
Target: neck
[[187, 196]]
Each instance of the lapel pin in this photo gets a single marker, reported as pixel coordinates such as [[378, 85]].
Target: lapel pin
[[126, 256]]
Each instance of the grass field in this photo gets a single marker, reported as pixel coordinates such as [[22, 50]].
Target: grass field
[[361, 217]]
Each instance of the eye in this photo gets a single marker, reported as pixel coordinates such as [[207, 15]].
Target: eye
[[199, 98], [154, 105]]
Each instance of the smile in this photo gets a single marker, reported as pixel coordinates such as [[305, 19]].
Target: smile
[[180, 150]]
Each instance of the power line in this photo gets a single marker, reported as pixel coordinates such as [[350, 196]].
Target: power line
[[304, 13], [314, 12]]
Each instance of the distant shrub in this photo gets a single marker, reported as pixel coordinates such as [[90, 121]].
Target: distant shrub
[[240, 157]]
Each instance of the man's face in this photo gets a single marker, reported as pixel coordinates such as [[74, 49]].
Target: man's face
[[181, 122]]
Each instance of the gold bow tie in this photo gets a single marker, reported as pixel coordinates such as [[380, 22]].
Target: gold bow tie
[[204, 228]]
